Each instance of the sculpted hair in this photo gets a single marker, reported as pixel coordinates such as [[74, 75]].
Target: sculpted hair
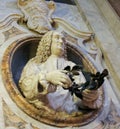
[[44, 47]]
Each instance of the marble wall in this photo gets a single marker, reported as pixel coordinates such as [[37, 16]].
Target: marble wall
[[86, 17]]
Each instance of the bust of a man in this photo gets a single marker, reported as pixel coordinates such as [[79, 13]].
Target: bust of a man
[[44, 75]]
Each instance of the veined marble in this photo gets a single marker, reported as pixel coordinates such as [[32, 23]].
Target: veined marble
[[11, 31]]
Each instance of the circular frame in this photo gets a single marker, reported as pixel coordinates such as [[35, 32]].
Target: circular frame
[[58, 119]]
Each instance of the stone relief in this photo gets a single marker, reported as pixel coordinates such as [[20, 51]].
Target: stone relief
[[37, 14], [44, 75], [11, 33], [38, 86], [42, 92]]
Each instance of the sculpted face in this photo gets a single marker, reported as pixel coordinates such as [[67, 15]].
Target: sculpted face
[[23, 2], [57, 47]]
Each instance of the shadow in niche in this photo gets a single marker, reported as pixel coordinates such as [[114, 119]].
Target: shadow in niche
[[26, 51], [65, 1], [20, 57]]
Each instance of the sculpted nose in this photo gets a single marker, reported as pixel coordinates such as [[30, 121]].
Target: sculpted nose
[[60, 40]]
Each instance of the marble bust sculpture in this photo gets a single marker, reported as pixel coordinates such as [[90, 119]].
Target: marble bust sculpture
[[37, 14], [43, 79]]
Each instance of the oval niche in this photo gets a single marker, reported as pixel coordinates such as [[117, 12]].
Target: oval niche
[[15, 58]]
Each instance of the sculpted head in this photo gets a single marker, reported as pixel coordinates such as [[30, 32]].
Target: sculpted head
[[52, 43], [58, 45], [23, 2], [26, 2]]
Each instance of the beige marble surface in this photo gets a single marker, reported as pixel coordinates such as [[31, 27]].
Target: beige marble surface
[[88, 18], [110, 16], [107, 42]]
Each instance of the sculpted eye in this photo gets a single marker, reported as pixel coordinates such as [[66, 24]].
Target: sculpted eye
[[63, 39], [57, 37]]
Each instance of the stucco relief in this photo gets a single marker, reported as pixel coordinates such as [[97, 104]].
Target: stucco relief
[[37, 14], [79, 44], [46, 75]]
